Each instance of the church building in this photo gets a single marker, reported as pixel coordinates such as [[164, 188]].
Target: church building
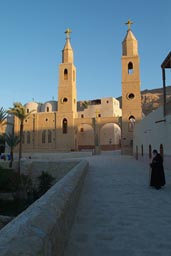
[[68, 125]]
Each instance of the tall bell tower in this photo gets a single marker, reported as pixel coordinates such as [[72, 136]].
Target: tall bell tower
[[67, 101], [131, 96]]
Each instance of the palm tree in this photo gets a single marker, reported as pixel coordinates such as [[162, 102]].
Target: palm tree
[[19, 111], [12, 142], [3, 116]]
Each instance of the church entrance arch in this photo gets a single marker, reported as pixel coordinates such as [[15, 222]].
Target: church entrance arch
[[110, 136], [85, 137]]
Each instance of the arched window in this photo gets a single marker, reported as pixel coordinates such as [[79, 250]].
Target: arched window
[[130, 68], [49, 136], [65, 125], [142, 150], [150, 151], [65, 74], [28, 137], [131, 123], [47, 109], [44, 136]]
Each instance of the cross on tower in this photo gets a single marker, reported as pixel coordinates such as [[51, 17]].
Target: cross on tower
[[129, 23], [68, 32]]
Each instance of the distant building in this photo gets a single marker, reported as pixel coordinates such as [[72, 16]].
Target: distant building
[[154, 131]]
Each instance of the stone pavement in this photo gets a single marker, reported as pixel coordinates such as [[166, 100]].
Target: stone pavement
[[118, 213]]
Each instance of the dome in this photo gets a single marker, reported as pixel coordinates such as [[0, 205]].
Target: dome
[[49, 106], [32, 106]]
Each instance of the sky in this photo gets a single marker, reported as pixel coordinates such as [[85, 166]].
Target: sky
[[32, 38]]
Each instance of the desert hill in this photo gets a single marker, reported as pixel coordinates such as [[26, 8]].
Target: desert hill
[[152, 99]]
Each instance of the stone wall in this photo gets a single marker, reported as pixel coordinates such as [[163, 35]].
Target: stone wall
[[44, 227]]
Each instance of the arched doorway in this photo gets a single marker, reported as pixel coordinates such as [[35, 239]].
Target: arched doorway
[[110, 136]]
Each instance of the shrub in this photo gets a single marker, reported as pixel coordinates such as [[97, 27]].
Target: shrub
[[45, 182]]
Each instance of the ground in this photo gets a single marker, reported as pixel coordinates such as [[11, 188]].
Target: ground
[[118, 213]]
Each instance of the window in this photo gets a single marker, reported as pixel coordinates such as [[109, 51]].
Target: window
[[99, 115], [82, 129], [142, 150], [27, 110], [65, 74], [28, 137], [43, 136], [131, 96], [47, 109], [65, 126], [82, 116], [65, 100], [130, 68], [49, 136]]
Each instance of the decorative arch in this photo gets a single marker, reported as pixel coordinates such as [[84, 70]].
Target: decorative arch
[[110, 136], [131, 123]]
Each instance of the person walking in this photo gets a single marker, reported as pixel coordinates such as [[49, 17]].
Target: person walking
[[157, 171]]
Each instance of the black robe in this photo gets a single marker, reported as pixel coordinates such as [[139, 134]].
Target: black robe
[[157, 172]]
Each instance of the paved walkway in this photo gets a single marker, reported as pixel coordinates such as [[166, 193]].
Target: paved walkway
[[118, 213]]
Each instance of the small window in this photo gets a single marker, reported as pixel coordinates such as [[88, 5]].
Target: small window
[[27, 110], [82, 129], [99, 115], [82, 116], [130, 68], [65, 126], [47, 109], [65, 74]]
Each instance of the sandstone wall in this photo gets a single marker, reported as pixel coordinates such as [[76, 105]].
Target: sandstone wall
[[44, 227]]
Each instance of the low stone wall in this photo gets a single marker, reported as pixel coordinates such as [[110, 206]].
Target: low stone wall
[[44, 227]]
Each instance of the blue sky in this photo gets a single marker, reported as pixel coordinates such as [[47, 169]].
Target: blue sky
[[32, 38]]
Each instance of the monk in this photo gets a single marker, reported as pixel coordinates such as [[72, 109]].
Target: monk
[[157, 171]]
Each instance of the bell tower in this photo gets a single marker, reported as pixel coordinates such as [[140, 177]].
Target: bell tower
[[67, 102], [131, 96]]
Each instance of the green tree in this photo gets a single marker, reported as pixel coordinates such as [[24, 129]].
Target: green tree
[[20, 112], [3, 116], [12, 142]]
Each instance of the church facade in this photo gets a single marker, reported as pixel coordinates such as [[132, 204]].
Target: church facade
[[61, 126]]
